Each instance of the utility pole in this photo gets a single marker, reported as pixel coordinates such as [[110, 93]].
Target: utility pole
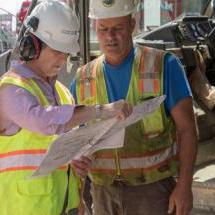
[[84, 30]]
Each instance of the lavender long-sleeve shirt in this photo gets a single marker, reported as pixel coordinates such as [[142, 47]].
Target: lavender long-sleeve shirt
[[20, 109]]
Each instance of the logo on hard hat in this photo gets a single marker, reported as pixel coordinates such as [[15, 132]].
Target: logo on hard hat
[[108, 3]]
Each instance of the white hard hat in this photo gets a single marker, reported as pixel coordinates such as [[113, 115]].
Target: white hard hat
[[58, 26], [102, 9]]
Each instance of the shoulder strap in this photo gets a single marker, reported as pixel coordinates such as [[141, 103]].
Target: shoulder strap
[[86, 80], [12, 77], [64, 94], [150, 71]]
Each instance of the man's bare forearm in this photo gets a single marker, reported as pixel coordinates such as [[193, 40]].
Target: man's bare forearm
[[187, 156]]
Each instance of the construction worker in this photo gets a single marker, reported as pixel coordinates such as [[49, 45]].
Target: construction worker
[[35, 108], [138, 178]]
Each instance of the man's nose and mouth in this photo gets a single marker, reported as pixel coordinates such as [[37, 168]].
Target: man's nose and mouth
[[111, 44]]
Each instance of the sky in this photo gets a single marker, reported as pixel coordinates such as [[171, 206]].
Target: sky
[[10, 5]]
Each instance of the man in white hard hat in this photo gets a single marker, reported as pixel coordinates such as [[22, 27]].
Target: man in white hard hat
[[138, 178], [34, 109]]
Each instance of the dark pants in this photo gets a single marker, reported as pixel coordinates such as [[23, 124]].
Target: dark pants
[[120, 199]]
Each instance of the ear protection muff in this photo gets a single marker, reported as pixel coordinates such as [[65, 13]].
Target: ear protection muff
[[30, 45]]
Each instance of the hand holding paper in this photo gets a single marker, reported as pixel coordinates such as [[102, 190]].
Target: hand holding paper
[[106, 134]]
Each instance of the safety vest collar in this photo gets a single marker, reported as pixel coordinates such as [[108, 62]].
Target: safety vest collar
[[30, 85], [12, 77], [91, 87]]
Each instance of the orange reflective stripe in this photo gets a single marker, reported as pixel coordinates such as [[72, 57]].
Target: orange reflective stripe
[[133, 170], [157, 69], [88, 81], [65, 167], [93, 87], [141, 70], [95, 68], [93, 80], [156, 85], [148, 169], [18, 168], [140, 86], [14, 153], [137, 162], [131, 154], [149, 75], [26, 168], [22, 159]]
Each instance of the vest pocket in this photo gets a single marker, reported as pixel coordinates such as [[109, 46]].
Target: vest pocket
[[37, 197], [39, 186], [153, 124]]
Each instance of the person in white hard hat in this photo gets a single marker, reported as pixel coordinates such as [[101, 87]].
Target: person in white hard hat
[[35, 108], [138, 178]]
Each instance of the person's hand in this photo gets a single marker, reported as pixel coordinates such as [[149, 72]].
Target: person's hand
[[81, 166], [120, 109], [181, 201]]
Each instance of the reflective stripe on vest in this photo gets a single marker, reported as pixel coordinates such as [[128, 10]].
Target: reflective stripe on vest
[[87, 78], [149, 161], [22, 160], [149, 80]]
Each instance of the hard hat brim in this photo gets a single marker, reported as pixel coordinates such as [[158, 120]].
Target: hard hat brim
[[110, 15], [73, 48]]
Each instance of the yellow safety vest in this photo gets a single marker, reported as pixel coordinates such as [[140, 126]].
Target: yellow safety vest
[[20, 155], [150, 151]]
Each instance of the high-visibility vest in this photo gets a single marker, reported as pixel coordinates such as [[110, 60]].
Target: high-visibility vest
[[150, 150], [21, 154]]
